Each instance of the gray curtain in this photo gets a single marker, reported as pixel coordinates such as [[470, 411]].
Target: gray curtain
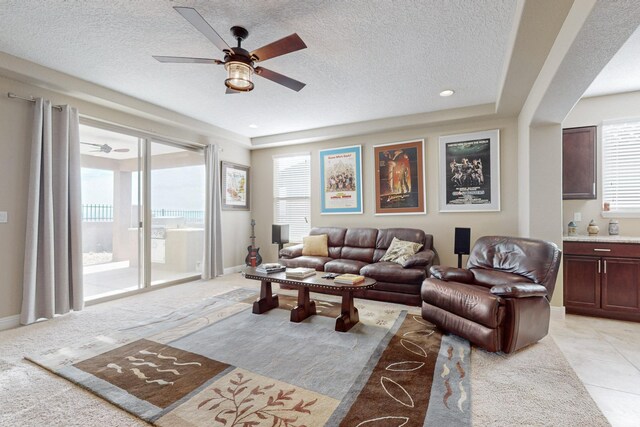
[[212, 265], [53, 251]]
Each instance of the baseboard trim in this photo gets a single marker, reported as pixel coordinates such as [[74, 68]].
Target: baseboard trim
[[558, 313], [9, 322], [234, 269]]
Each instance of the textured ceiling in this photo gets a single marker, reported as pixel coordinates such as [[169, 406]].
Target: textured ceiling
[[366, 59], [621, 74]]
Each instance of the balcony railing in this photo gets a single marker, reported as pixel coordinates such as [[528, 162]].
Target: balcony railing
[[104, 213]]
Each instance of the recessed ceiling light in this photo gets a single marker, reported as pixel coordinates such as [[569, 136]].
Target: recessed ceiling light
[[447, 92], [253, 126]]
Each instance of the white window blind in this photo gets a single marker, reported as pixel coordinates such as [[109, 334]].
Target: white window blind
[[292, 194], [621, 166]]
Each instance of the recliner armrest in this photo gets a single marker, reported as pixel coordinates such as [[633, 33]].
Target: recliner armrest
[[519, 290], [420, 259], [291, 251], [451, 274]]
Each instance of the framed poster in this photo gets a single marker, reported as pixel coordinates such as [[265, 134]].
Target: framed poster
[[235, 187], [399, 178], [470, 172], [341, 180]]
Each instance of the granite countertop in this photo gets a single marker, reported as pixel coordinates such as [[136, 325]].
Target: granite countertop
[[602, 239]]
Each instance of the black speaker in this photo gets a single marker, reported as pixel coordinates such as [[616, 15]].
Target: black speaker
[[280, 233], [462, 241]]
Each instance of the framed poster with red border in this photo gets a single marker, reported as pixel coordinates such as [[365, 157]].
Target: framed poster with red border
[[400, 178]]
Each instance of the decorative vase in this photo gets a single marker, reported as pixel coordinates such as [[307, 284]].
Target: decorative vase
[[572, 229], [614, 227], [593, 229]]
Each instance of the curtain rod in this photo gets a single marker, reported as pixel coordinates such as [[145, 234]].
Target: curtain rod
[[30, 99]]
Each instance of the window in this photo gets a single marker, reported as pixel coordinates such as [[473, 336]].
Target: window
[[291, 193], [621, 167]]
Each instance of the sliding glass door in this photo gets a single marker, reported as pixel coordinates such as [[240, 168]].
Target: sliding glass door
[[111, 222], [177, 212], [142, 211]]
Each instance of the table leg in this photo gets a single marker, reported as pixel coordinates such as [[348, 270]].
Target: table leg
[[349, 316], [267, 299], [305, 307]]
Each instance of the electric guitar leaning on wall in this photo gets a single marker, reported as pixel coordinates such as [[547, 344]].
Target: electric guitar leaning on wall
[[253, 258]]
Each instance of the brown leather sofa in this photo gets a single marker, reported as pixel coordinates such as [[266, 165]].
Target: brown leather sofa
[[358, 251], [501, 300]]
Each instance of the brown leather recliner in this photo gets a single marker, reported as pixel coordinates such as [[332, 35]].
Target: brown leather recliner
[[500, 302]]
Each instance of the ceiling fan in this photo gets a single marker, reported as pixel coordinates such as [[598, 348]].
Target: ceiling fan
[[105, 148], [238, 62]]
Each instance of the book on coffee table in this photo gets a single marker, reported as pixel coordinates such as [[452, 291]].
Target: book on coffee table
[[300, 272], [349, 279], [272, 267]]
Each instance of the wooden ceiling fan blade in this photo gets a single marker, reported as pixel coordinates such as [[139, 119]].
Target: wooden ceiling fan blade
[[195, 19], [280, 79], [279, 47], [186, 60]]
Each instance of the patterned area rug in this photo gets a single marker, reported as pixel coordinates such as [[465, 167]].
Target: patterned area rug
[[217, 364]]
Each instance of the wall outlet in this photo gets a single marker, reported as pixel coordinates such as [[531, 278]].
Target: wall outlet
[[577, 216], [4, 217]]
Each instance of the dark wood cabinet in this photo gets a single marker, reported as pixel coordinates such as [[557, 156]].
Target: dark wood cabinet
[[602, 279], [585, 271], [579, 163], [620, 284]]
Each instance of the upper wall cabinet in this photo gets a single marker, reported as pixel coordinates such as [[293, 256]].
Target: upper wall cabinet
[[579, 163]]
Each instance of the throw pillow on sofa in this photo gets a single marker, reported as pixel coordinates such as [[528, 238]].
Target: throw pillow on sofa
[[400, 251], [315, 245]]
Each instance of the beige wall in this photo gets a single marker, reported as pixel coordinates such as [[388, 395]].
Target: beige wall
[[15, 137], [589, 112], [441, 225]]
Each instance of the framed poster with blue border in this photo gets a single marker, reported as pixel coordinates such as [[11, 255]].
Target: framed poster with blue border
[[341, 180]]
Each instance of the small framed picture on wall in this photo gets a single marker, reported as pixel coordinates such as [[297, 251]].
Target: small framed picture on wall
[[399, 180], [341, 180], [470, 172], [235, 187]]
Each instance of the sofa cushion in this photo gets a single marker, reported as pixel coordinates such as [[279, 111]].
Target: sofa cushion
[[386, 235], [489, 278], [335, 237], [316, 262], [402, 288], [315, 245], [470, 302], [391, 272], [400, 251], [344, 266], [359, 244]]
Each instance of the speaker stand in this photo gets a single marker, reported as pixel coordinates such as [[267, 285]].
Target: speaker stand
[[459, 260]]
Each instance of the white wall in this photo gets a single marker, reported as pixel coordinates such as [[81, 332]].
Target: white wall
[[592, 112], [15, 137], [441, 225]]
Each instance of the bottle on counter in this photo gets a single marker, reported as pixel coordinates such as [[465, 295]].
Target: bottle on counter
[[614, 227], [593, 228], [572, 229]]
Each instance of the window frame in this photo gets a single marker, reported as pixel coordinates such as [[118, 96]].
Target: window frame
[[614, 212], [297, 237]]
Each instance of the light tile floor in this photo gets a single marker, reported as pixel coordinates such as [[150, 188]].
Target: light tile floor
[[606, 356]]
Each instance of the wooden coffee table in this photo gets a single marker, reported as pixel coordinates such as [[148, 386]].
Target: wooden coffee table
[[306, 307]]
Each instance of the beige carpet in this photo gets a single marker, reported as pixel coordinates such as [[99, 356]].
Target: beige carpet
[[533, 387]]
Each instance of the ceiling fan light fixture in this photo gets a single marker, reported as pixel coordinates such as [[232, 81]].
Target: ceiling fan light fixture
[[239, 76]]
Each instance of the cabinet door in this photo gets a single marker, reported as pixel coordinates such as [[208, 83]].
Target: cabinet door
[[579, 163], [620, 282], [582, 281]]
